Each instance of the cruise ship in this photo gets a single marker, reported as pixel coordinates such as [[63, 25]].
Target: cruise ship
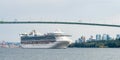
[[55, 40]]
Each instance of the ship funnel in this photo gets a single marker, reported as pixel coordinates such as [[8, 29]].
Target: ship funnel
[[33, 32]]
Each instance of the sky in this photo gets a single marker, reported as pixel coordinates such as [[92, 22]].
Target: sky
[[92, 11]]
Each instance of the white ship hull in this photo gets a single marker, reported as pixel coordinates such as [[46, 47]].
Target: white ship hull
[[54, 45]]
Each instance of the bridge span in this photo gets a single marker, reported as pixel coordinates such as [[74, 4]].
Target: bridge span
[[49, 22]]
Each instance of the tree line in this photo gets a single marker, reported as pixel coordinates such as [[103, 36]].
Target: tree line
[[98, 44]]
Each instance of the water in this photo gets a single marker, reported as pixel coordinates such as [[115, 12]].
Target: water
[[60, 54]]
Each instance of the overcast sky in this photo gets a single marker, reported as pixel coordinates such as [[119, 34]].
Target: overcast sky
[[96, 11]]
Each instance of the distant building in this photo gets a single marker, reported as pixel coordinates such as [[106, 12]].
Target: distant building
[[81, 40], [98, 37], [106, 37], [76, 41], [118, 37], [91, 38]]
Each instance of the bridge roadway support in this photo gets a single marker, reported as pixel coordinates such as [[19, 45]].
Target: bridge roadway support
[[43, 22]]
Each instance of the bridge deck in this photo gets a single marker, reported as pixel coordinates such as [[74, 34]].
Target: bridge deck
[[42, 22]]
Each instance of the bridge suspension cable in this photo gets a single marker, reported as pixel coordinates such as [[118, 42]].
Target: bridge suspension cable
[[44, 22]]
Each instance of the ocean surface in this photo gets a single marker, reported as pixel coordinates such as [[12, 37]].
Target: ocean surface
[[60, 54]]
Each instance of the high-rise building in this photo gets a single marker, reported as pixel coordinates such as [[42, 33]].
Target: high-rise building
[[91, 38], [82, 39], [118, 37], [98, 37], [106, 37]]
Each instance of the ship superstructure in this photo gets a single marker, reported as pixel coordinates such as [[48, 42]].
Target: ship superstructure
[[49, 40]]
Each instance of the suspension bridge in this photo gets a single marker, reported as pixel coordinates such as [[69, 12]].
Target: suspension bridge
[[51, 22]]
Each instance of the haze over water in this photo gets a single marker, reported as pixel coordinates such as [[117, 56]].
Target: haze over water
[[60, 54]]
